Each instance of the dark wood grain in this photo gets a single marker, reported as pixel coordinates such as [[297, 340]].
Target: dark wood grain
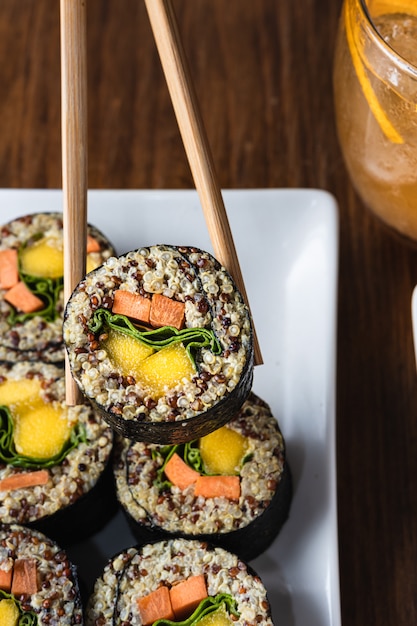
[[263, 76]]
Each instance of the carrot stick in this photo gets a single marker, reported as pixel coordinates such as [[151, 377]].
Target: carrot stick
[[9, 272], [156, 605], [23, 299], [25, 577], [24, 479], [92, 245], [166, 312], [132, 305], [179, 473], [6, 579], [217, 487], [187, 595]]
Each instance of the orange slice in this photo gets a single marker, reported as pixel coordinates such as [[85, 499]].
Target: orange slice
[[354, 47]]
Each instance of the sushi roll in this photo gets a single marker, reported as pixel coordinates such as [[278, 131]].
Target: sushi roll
[[31, 280], [160, 340], [231, 487], [38, 583], [179, 580], [55, 460]]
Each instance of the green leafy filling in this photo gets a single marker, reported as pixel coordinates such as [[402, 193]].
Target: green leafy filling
[[208, 605], [157, 338], [26, 618], [9, 455]]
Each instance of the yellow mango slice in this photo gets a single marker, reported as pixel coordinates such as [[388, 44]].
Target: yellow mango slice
[[217, 618], [46, 260], [9, 613], [41, 432], [165, 369], [125, 352], [43, 259], [91, 264], [40, 429], [222, 451], [15, 393]]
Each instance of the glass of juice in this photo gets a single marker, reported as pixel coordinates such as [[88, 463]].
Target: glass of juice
[[375, 96]]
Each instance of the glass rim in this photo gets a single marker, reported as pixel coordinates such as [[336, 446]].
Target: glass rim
[[405, 65]]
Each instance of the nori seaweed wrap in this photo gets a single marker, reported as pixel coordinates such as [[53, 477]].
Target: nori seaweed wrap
[[31, 281], [231, 487], [55, 460], [160, 340], [39, 585], [178, 581]]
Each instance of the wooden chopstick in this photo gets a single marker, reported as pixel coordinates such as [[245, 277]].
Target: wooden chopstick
[[168, 41], [74, 153]]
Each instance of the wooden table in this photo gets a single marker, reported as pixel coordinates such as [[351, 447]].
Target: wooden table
[[263, 77]]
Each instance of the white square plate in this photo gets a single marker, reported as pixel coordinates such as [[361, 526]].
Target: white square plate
[[287, 244]]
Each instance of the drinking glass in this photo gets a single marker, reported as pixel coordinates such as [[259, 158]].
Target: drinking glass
[[375, 96]]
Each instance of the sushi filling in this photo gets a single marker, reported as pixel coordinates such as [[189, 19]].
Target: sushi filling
[[17, 436], [144, 342]]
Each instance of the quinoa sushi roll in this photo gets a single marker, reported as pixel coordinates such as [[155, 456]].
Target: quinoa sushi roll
[[178, 581], [160, 340], [55, 460], [231, 487], [38, 583], [31, 280]]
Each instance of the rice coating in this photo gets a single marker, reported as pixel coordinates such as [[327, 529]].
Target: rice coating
[[80, 470], [37, 338], [57, 601], [138, 571], [180, 511], [211, 300]]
